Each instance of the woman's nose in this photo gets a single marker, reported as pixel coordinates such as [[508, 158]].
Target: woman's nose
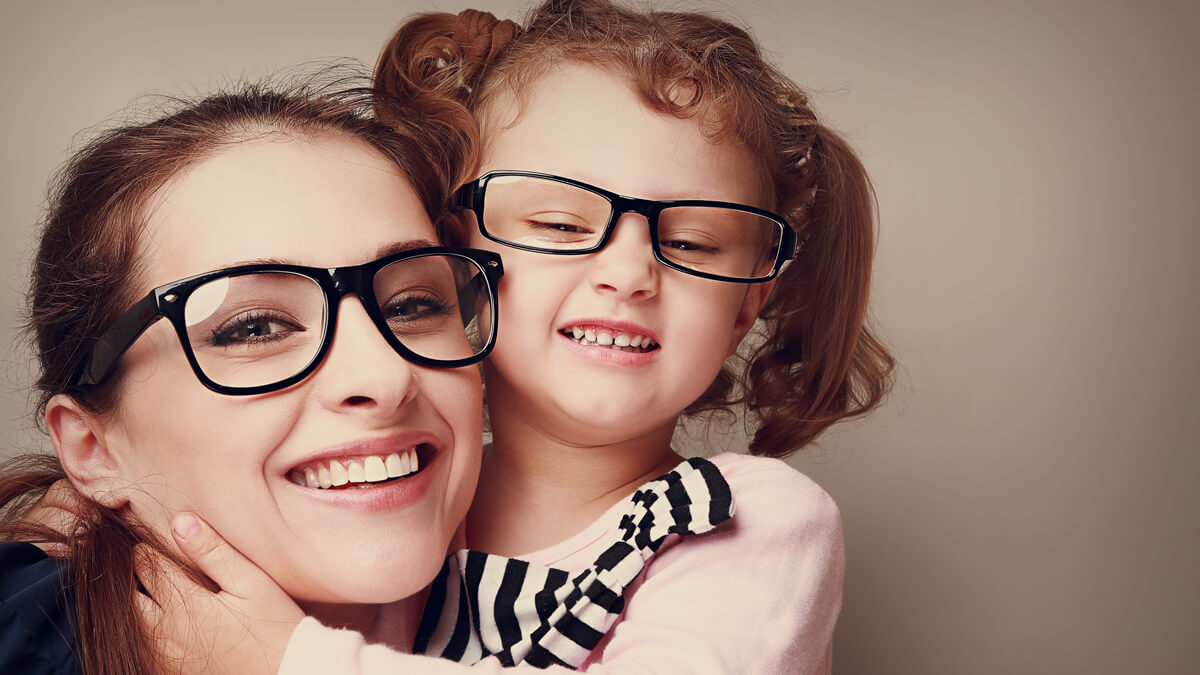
[[625, 267], [362, 374]]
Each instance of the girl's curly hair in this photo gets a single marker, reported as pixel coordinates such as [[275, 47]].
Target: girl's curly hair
[[813, 360]]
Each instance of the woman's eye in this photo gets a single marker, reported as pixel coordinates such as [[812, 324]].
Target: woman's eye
[[415, 308], [253, 328]]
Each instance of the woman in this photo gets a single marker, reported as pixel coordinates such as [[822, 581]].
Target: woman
[[325, 418]]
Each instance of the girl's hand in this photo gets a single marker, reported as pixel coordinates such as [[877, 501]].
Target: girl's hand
[[59, 509], [243, 628]]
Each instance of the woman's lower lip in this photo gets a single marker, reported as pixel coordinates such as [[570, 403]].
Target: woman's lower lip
[[609, 356], [397, 493]]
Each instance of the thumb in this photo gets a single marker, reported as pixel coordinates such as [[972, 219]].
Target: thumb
[[232, 571]]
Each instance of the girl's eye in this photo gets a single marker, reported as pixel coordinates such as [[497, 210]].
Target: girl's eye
[[568, 232], [253, 328], [556, 234], [565, 228], [692, 247]]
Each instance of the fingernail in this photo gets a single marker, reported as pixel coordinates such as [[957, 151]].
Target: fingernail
[[185, 525]]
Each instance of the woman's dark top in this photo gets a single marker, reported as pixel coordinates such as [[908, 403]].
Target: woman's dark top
[[35, 613]]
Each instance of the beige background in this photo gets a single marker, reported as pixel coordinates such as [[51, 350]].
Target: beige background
[[1024, 503]]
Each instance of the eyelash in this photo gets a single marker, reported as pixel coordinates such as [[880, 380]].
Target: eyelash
[[221, 336], [436, 305]]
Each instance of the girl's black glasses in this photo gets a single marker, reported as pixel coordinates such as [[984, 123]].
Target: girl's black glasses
[[550, 214]]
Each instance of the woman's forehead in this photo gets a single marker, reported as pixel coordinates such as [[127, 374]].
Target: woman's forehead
[[316, 201]]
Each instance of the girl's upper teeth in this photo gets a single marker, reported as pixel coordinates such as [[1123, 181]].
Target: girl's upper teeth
[[591, 336], [369, 469]]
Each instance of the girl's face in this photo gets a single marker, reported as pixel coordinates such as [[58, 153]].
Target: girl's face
[[324, 202], [587, 124]]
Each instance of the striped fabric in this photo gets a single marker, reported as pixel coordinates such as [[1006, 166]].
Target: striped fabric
[[484, 605]]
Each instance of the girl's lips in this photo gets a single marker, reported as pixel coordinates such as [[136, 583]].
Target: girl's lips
[[623, 336], [607, 355]]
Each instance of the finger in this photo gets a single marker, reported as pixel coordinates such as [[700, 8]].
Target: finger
[[61, 494], [172, 607], [232, 571], [161, 579], [59, 509], [151, 613]]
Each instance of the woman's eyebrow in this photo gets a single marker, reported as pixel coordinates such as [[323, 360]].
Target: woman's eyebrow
[[402, 246]]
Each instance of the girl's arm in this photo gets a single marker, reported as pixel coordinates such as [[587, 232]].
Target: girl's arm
[[761, 594], [244, 628]]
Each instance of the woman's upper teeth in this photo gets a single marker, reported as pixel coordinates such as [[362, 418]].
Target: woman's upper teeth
[[369, 469]]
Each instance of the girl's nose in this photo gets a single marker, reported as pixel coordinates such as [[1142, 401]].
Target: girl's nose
[[625, 267], [362, 374]]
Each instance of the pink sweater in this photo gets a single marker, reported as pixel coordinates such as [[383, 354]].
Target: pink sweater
[[760, 594]]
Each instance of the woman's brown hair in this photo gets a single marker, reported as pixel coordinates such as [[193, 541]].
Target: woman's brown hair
[[85, 274], [815, 361]]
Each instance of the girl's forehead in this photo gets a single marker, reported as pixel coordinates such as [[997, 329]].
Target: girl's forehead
[[590, 124], [323, 202]]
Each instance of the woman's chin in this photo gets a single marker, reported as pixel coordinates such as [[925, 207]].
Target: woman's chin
[[366, 585]]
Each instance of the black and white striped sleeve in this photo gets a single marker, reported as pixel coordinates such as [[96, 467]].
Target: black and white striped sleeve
[[484, 605]]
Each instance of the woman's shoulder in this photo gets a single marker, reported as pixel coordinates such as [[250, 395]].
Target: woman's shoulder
[[35, 612], [24, 571]]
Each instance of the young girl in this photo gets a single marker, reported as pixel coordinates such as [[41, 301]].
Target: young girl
[[658, 192]]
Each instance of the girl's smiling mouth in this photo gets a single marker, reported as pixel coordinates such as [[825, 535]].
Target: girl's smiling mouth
[[623, 339], [362, 471]]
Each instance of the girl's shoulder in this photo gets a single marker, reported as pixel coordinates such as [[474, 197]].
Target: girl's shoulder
[[769, 491]]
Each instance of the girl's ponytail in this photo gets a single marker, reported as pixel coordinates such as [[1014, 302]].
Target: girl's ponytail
[[433, 66], [819, 362]]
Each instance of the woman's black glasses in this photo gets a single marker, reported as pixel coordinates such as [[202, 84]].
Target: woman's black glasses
[[253, 329]]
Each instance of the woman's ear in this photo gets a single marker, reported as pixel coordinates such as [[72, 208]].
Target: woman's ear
[[80, 439], [752, 304]]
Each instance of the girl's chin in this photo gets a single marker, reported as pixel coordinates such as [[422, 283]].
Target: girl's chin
[[612, 421]]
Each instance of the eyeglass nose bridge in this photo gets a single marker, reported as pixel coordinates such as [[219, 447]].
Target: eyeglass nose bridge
[[358, 281], [620, 205], [346, 280], [647, 208]]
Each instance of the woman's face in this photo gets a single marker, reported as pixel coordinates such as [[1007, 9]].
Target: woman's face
[[325, 202]]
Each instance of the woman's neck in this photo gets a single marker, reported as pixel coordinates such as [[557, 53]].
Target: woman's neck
[[336, 615], [394, 624], [538, 488]]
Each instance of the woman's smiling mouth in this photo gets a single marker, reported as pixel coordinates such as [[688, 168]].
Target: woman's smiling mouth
[[362, 471]]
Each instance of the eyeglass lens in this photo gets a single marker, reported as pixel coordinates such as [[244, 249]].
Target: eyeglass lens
[[551, 216], [258, 328]]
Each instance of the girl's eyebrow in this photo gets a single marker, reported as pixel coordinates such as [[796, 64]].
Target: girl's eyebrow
[[384, 250]]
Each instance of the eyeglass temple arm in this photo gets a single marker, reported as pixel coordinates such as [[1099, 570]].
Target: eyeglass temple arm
[[464, 197], [113, 343], [791, 242], [468, 297]]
